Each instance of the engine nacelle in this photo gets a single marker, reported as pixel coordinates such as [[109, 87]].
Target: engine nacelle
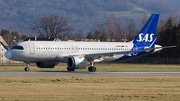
[[77, 62], [46, 64]]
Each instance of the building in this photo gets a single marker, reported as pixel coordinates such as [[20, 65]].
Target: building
[[3, 49]]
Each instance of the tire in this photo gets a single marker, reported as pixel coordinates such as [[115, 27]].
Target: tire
[[26, 69], [92, 69]]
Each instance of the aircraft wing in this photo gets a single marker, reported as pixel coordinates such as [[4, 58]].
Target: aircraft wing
[[92, 57], [128, 53]]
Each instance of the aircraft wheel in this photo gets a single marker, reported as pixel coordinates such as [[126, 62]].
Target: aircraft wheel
[[26, 69], [70, 70], [92, 69]]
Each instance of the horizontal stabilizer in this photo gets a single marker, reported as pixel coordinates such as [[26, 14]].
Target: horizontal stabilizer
[[149, 49]]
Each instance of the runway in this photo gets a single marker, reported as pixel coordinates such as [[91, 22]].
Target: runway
[[86, 73]]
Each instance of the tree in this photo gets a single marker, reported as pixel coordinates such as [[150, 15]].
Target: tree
[[178, 39], [97, 35], [89, 36], [97, 32], [22, 35], [78, 36], [131, 29], [165, 33], [168, 37], [111, 26], [114, 28], [9, 37], [16, 35], [51, 26], [104, 34]]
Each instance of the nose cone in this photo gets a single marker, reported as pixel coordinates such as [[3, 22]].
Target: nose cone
[[7, 54]]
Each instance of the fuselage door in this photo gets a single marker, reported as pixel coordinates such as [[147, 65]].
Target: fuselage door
[[31, 48]]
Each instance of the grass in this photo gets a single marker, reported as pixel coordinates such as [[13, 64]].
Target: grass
[[76, 88], [100, 67], [90, 88]]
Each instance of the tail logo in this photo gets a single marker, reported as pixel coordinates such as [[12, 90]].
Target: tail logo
[[146, 37]]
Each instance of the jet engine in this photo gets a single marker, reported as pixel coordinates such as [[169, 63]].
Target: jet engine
[[46, 64], [77, 62]]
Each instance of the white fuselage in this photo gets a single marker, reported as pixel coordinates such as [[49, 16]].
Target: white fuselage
[[56, 50], [50, 51]]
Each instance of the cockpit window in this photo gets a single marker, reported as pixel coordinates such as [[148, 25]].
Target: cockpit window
[[17, 47]]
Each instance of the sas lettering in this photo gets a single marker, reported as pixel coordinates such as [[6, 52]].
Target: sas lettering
[[145, 38]]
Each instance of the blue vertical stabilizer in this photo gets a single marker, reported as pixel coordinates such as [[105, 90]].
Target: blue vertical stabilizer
[[147, 34]]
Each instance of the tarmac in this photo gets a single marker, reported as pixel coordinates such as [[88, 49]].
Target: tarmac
[[86, 73]]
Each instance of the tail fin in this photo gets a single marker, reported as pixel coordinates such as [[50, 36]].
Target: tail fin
[[147, 34]]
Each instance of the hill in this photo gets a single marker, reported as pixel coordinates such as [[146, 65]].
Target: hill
[[81, 14]]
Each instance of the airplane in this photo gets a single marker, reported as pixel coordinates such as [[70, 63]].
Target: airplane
[[80, 55]]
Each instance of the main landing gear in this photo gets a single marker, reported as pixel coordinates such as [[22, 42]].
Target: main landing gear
[[91, 68], [27, 67]]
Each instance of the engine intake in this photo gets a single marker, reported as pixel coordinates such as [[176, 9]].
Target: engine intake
[[77, 62]]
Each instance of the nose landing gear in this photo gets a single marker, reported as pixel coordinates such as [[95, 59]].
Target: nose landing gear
[[27, 67]]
